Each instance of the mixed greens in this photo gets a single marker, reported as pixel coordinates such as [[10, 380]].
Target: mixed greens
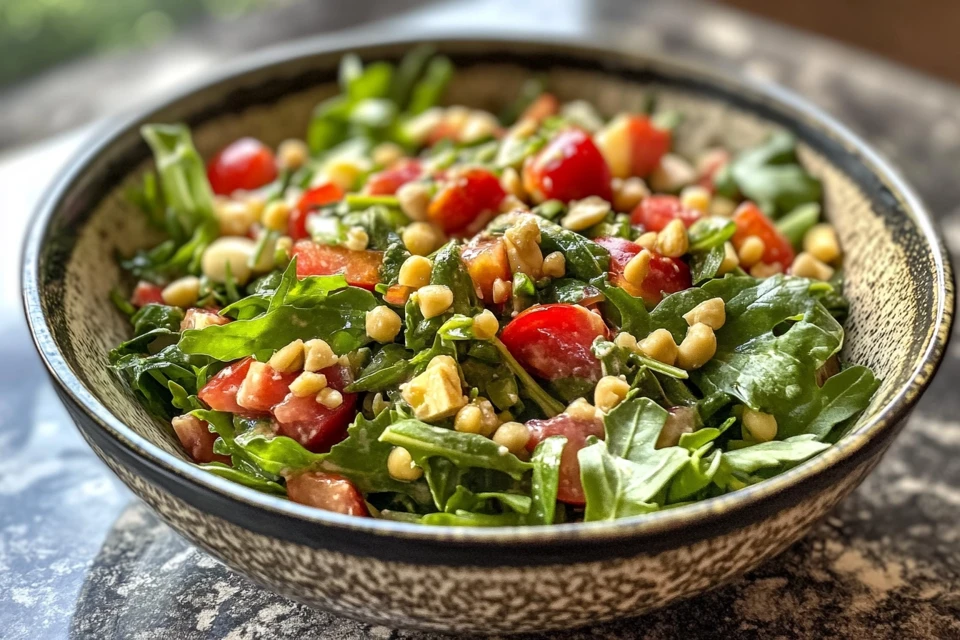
[[438, 315]]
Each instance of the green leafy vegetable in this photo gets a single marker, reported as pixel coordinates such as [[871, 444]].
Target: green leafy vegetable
[[546, 479], [771, 176], [842, 397]]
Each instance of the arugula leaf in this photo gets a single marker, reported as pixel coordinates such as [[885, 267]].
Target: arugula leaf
[[632, 427], [246, 479], [468, 519], [427, 92], [224, 425], [842, 397], [797, 222], [585, 258], [547, 403], [339, 318], [278, 455], [149, 377], [546, 480], [568, 291], [362, 458], [695, 476], [626, 311], [464, 499], [407, 72], [388, 368], [710, 232], [466, 450], [771, 176], [704, 265], [773, 454]]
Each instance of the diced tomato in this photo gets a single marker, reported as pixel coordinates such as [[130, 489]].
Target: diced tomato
[[397, 295], [360, 268], [386, 182], [647, 145], [666, 275], [570, 167], [244, 164], [465, 199], [752, 222], [543, 107], [196, 318], [326, 491], [220, 392], [146, 293], [312, 424], [553, 341], [263, 387], [195, 436], [656, 212], [486, 260], [311, 199], [575, 430]]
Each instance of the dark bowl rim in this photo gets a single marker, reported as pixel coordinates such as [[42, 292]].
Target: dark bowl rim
[[647, 526]]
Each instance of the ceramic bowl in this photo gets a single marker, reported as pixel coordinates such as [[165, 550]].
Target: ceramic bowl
[[485, 580]]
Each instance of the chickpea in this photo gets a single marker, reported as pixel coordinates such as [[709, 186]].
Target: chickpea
[[330, 398], [414, 199], [806, 265], [422, 238], [469, 419], [415, 272], [401, 467], [554, 265], [228, 252], [627, 341], [660, 346], [434, 300], [822, 243], [318, 355], [485, 325], [182, 293], [357, 239], [581, 409], [383, 324], [696, 197], [610, 392], [386, 153], [710, 312], [751, 251], [759, 426], [292, 154], [275, 215], [698, 346], [512, 435]]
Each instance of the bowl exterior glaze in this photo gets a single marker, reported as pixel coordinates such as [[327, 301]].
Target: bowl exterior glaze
[[468, 580]]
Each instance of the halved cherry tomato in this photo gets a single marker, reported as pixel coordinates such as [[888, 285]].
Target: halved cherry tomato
[[553, 341], [311, 199], [263, 387], [647, 145], [360, 268], [543, 107], [386, 182], [575, 430], [486, 260], [195, 436], [244, 164], [464, 199], [752, 222], [146, 293], [312, 424], [666, 275], [570, 167], [656, 212], [326, 491], [220, 392], [197, 318]]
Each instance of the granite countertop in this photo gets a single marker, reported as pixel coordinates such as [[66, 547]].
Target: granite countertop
[[79, 557]]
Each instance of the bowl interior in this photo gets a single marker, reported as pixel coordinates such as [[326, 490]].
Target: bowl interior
[[895, 277]]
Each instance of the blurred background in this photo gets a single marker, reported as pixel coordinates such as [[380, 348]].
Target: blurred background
[[64, 63]]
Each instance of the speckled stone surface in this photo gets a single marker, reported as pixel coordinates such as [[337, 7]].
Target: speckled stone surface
[[80, 558]]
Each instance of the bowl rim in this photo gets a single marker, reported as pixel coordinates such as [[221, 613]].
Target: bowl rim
[[647, 526]]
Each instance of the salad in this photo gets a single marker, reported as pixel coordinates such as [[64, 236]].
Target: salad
[[441, 315]]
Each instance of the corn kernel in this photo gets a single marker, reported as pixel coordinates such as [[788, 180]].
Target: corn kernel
[[637, 269], [821, 242], [292, 154], [585, 213], [330, 398], [710, 312], [400, 466], [695, 197], [182, 292], [610, 392], [698, 346], [308, 384], [512, 435], [660, 346], [434, 300], [422, 238], [383, 324], [485, 325], [554, 265], [289, 358], [415, 272], [751, 251], [673, 241], [318, 355], [761, 427]]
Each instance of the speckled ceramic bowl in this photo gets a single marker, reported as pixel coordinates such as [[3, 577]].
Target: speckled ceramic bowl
[[485, 580]]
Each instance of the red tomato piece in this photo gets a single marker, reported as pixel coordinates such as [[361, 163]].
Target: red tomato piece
[[486, 260], [197, 318], [220, 392], [397, 295], [570, 167], [575, 430], [326, 491], [647, 145], [312, 424], [666, 275], [553, 341], [543, 107], [263, 387], [386, 182], [146, 293], [464, 199], [195, 436], [656, 212], [752, 222], [311, 199], [360, 268], [244, 164]]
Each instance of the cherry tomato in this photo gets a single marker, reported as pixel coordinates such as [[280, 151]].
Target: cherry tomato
[[312, 199], [196, 317], [360, 268], [245, 164], [326, 491], [263, 387], [220, 392], [486, 260], [464, 199], [570, 167], [312, 424], [146, 293], [647, 145], [196, 438], [386, 182], [752, 222], [575, 430], [666, 275], [553, 341], [543, 107], [656, 212]]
